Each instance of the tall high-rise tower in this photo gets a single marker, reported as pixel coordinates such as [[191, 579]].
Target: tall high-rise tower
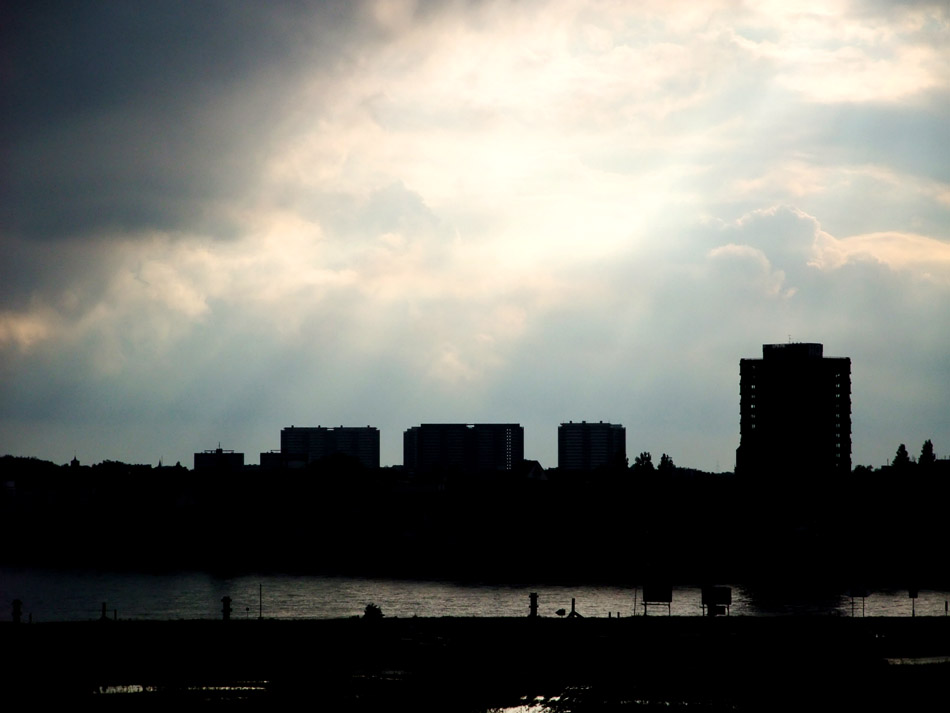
[[794, 411]]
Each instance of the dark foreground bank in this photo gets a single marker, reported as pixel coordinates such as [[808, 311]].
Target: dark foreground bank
[[642, 663]]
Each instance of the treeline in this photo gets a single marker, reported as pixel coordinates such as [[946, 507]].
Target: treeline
[[616, 524], [903, 462]]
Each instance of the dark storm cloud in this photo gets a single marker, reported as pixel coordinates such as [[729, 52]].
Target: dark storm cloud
[[29, 269], [138, 115]]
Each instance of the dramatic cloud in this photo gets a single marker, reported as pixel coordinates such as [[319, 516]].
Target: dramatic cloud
[[219, 219]]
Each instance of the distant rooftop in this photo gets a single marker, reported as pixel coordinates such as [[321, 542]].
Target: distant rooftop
[[793, 350]]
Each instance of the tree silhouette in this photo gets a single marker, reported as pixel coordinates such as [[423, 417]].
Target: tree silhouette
[[643, 463], [901, 458], [666, 466], [927, 457]]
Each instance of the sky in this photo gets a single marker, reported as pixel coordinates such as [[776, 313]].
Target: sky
[[219, 219]]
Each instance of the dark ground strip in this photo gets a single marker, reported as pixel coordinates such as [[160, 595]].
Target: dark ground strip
[[642, 663]]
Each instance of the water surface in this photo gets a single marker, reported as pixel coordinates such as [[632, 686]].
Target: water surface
[[50, 595]]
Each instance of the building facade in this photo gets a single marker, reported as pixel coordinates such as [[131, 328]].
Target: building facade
[[219, 460], [794, 411], [302, 445], [586, 446], [463, 447]]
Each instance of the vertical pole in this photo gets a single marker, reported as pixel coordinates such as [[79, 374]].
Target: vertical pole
[[260, 601]]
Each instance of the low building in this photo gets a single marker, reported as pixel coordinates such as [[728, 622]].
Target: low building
[[219, 460]]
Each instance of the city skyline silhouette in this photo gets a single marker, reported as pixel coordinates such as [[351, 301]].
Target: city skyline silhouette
[[795, 415]]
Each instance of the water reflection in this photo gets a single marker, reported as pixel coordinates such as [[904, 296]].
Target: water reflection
[[78, 596], [799, 601], [537, 705]]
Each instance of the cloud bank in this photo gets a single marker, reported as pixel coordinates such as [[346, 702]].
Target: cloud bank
[[223, 219]]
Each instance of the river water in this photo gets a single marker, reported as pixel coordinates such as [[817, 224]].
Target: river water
[[49, 595]]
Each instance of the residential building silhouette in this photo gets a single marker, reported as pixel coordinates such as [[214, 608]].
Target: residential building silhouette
[[271, 460], [463, 447], [586, 446], [794, 411], [220, 460], [302, 445]]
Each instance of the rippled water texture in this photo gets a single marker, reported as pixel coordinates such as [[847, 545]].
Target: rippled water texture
[[78, 596]]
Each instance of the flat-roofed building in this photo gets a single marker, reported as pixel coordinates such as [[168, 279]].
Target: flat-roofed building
[[463, 447], [271, 460], [220, 460], [301, 445], [794, 411], [586, 446]]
